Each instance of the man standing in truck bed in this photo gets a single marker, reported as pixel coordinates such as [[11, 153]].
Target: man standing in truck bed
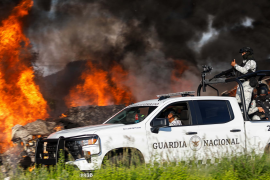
[[248, 66]]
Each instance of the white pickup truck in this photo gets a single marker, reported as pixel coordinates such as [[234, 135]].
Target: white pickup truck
[[212, 126]]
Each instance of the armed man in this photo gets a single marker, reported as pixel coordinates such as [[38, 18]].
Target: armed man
[[247, 66], [260, 106]]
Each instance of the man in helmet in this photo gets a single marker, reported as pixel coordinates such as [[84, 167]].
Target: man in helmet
[[247, 66], [173, 119], [260, 106]]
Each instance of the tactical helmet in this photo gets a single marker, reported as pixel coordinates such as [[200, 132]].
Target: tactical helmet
[[246, 49], [262, 90], [173, 113], [168, 111]]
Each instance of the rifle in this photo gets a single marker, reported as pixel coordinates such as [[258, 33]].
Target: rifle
[[225, 74], [266, 110], [206, 69]]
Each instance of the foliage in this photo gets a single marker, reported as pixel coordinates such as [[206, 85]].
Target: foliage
[[237, 167]]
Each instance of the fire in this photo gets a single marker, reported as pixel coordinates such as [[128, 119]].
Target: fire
[[176, 81], [63, 115], [231, 92], [20, 99], [58, 128], [37, 136], [100, 87], [31, 168]]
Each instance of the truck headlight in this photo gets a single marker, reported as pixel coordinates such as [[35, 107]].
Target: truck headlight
[[91, 145], [83, 146], [91, 141]]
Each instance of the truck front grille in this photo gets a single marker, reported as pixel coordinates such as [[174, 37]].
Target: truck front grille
[[74, 148], [50, 150]]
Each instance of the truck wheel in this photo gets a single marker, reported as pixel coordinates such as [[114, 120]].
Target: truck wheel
[[119, 160], [124, 158]]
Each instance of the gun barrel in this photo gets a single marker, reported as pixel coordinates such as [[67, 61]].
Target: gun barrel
[[226, 73]]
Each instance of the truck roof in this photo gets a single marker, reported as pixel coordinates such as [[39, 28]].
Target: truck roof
[[156, 102]]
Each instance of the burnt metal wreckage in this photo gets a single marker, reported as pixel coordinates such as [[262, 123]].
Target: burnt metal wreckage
[[226, 78]]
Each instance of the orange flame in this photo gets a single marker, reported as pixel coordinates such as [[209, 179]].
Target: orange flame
[[63, 115], [100, 87], [31, 168], [20, 99], [179, 68], [58, 128]]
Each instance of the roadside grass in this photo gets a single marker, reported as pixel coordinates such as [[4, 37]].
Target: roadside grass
[[238, 167]]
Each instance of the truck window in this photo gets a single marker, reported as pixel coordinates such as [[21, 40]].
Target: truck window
[[215, 112], [181, 112], [132, 115]]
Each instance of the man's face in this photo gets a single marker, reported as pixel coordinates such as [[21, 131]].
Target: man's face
[[243, 53], [170, 117], [262, 95]]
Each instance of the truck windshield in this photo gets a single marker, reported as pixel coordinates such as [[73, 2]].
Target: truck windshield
[[132, 115]]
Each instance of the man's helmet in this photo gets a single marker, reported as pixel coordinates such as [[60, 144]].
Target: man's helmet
[[246, 49], [263, 89], [168, 111], [172, 112]]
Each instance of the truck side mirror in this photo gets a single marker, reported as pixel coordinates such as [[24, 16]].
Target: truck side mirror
[[158, 123]]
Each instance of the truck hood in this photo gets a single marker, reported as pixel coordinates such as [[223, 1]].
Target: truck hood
[[83, 130]]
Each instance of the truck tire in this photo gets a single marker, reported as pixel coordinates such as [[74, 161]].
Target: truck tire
[[124, 157], [119, 160]]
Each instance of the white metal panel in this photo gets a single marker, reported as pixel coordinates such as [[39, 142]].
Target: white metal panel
[[257, 135], [219, 140]]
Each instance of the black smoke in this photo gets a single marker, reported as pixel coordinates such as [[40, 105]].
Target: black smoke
[[147, 37], [228, 19], [6, 7]]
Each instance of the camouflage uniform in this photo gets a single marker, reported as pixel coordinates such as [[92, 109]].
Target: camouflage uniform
[[250, 65], [254, 108], [175, 122]]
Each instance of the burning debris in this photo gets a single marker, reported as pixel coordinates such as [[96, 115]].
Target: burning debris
[[119, 68], [100, 87], [20, 99], [87, 115], [11, 158], [129, 55], [25, 136], [230, 93]]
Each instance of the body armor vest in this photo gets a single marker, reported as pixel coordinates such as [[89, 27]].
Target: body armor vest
[[252, 81], [266, 107], [238, 74]]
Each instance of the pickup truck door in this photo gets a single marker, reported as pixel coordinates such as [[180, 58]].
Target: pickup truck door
[[173, 143], [220, 129], [257, 135]]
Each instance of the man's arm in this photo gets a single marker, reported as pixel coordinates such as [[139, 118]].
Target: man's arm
[[176, 123], [250, 65], [253, 108]]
